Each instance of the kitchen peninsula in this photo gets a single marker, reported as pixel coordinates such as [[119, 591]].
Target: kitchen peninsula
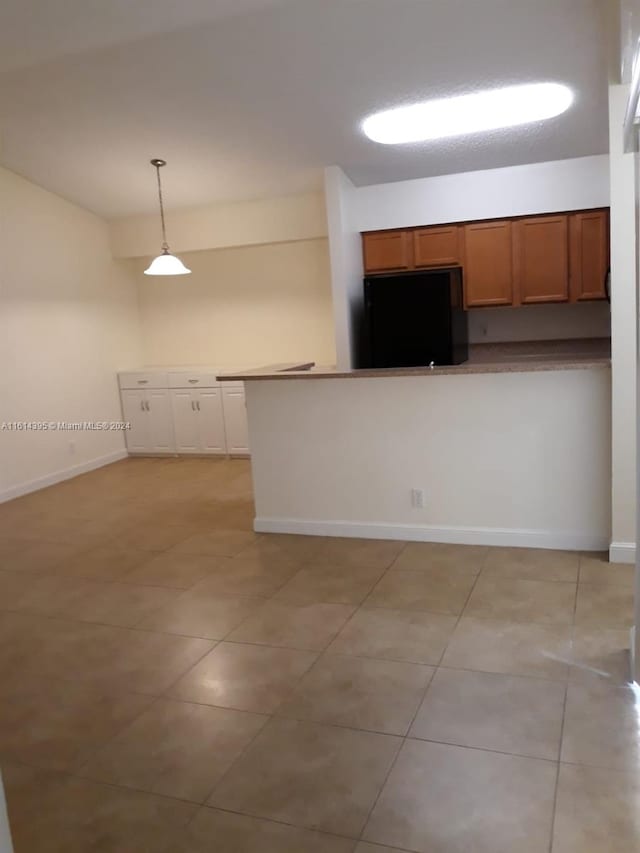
[[510, 448]]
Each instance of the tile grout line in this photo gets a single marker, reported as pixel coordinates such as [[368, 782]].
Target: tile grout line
[[241, 754], [154, 701], [356, 610], [406, 737], [564, 714], [273, 716], [558, 764], [273, 820], [464, 606]]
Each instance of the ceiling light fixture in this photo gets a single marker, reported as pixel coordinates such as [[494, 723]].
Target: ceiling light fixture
[[165, 263], [492, 109]]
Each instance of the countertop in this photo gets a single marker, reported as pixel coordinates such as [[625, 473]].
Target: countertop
[[518, 357]]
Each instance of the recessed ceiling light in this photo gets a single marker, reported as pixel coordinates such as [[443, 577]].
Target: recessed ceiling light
[[477, 113]]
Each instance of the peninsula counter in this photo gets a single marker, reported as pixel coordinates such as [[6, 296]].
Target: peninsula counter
[[510, 448]]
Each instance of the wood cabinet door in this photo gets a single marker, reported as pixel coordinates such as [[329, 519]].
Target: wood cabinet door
[[541, 256], [385, 251], [589, 254], [438, 246], [488, 264]]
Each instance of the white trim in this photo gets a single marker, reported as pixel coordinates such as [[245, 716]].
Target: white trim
[[59, 476], [622, 552], [159, 454], [518, 538]]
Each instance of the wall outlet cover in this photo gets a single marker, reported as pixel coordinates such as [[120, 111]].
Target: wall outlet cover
[[417, 498]]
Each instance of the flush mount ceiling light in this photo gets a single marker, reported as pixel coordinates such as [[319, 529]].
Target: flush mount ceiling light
[[466, 114], [165, 263]]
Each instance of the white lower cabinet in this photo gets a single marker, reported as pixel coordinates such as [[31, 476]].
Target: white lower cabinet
[[183, 412], [235, 419], [160, 420], [135, 414], [198, 420], [185, 423], [212, 428], [149, 413]]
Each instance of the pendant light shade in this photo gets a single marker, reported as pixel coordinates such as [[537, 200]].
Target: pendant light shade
[[165, 263]]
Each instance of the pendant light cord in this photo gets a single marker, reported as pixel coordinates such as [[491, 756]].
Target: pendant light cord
[[165, 245]]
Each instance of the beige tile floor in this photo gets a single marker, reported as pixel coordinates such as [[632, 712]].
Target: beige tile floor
[[171, 682]]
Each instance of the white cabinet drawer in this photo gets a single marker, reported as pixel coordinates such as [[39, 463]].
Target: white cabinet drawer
[[142, 379], [193, 379]]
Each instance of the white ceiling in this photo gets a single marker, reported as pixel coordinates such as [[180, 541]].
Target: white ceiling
[[250, 98]]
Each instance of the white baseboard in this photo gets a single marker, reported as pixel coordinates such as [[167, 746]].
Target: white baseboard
[[59, 476], [516, 538], [622, 552]]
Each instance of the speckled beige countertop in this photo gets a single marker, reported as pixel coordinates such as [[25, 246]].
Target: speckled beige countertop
[[520, 357]]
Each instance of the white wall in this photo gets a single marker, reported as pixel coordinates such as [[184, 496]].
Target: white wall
[[248, 223], [347, 271], [254, 305], [505, 459], [68, 322], [623, 328], [514, 191]]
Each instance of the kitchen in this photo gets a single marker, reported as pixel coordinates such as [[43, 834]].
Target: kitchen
[[520, 398], [534, 272]]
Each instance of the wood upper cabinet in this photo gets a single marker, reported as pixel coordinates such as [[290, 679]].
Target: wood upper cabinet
[[385, 251], [438, 246], [529, 260], [541, 259], [589, 254], [488, 264]]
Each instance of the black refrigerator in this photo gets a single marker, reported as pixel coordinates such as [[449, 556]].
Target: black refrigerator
[[414, 319]]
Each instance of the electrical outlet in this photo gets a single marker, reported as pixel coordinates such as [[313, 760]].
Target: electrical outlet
[[417, 498]]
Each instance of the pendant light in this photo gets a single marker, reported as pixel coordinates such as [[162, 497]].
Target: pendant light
[[165, 263]]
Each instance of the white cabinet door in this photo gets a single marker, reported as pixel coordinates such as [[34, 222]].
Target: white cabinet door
[[185, 420], [158, 407], [210, 420], [134, 412], [235, 419]]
